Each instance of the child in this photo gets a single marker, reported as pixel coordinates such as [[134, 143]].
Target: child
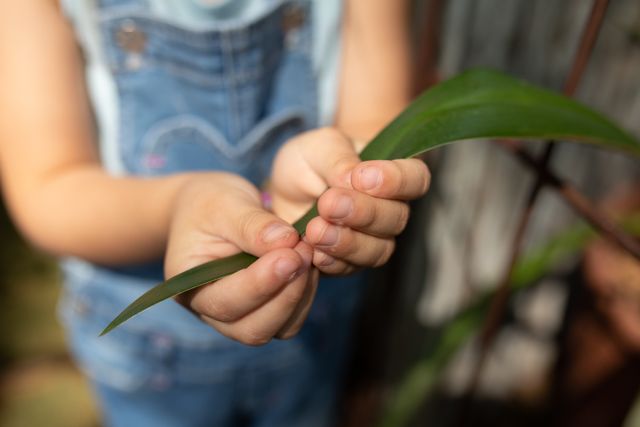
[[192, 101]]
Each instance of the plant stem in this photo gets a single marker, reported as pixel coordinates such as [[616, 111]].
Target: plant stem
[[583, 207]]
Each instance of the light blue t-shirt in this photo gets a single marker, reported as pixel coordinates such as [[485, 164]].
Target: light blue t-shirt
[[192, 12], [197, 14]]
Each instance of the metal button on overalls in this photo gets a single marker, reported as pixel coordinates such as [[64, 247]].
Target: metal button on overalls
[[293, 17], [133, 41], [130, 38]]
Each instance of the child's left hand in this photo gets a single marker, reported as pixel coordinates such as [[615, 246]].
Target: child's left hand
[[362, 210]]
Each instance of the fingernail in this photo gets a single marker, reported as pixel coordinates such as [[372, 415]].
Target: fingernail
[[342, 207], [323, 260], [286, 268], [370, 178], [275, 232], [329, 237]]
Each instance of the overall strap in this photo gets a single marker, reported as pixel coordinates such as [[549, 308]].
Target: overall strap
[[83, 15], [128, 4]]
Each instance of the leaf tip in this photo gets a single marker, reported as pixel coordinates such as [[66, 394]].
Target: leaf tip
[[111, 326]]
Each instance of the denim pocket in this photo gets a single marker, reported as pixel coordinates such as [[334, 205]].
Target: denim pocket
[[187, 142]]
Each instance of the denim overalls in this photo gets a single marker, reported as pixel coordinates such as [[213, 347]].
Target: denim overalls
[[223, 97]]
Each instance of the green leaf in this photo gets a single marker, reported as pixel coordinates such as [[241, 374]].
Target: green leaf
[[487, 104], [185, 281], [475, 104]]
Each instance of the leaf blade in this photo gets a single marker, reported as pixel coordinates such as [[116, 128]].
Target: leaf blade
[[487, 104], [476, 104], [183, 282]]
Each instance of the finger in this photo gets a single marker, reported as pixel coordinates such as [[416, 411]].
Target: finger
[[256, 231], [261, 325], [332, 161], [404, 179], [370, 215], [239, 294], [347, 244], [332, 266], [299, 315]]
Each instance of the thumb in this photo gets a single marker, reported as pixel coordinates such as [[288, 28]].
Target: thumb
[[256, 231], [332, 158], [311, 162]]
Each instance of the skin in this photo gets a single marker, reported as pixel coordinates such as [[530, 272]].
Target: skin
[[67, 204]]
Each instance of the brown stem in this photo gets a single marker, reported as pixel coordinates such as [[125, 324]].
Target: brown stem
[[587, 42], [598, 219]]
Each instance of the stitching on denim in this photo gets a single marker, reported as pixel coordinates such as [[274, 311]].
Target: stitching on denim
[[265, 127], [151, 140], [254, 140], [200, 78], [197, 74]]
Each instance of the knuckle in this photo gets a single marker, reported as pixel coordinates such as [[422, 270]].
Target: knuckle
[[247, 223]]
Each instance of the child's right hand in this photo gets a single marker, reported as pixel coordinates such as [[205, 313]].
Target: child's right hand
[[362, 206], [217, 215]]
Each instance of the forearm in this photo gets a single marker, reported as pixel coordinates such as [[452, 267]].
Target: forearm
[[83, 211], [53, 183], [376, 66]]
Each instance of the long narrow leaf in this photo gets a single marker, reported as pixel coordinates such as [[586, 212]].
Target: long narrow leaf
[[475, 104], [183, 282]]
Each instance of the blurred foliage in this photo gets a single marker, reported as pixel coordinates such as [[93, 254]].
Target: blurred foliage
[[445, 341], [46, 394]]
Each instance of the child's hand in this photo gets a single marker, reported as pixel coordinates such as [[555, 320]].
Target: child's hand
[[363, 209], [217, 215]]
